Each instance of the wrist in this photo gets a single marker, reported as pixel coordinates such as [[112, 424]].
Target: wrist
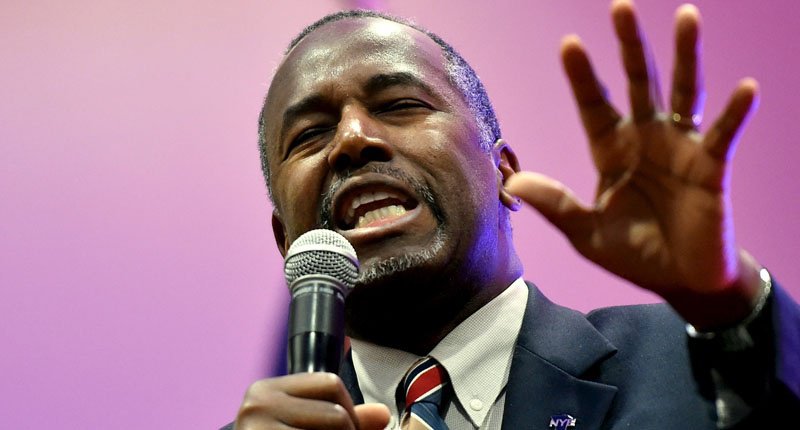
[[721, 308], [738, 337]]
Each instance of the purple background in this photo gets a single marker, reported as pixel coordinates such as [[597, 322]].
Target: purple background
[[140, 284]]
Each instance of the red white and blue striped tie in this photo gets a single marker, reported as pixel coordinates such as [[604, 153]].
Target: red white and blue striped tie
[[423, 386]]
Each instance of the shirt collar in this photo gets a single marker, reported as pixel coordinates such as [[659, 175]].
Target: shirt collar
[[476, 354]]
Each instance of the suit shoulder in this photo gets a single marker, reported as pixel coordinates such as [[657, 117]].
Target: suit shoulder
[[626, 323]]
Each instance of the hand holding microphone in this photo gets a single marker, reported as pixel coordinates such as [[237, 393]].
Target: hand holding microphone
[[321, 268]]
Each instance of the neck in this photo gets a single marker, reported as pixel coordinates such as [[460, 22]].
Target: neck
[[391, 314]]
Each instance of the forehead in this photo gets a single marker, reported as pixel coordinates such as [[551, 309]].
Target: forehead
[[348, 52]]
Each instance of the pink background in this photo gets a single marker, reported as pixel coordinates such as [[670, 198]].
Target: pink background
[[140, 284]]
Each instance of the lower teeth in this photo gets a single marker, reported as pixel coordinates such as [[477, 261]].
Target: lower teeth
[[377, 214]]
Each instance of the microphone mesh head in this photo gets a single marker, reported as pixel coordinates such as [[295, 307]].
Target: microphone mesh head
[[322, 252]]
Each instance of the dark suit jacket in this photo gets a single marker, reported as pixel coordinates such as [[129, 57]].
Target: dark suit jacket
[[634, 367]]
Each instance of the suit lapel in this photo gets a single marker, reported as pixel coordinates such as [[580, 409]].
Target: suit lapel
[[556, 346]]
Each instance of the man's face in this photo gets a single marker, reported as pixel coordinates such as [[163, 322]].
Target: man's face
[[366, 135]]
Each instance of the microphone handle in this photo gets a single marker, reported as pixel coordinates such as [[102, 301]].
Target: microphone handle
[[316, 325]]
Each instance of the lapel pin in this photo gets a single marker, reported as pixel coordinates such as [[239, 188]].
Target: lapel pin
[[562, 422]]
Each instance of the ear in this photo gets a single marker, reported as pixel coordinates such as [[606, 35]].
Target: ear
[[280, 233], [506, 163]]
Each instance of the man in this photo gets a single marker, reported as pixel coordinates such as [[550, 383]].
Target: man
[[379, 130]]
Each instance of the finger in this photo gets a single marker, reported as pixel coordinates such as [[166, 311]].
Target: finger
[[308, 400], [720, 141], [597, 114], [554, 201], [372, 416], [293, 412], [316, 385], [643, 87], [688, 94]]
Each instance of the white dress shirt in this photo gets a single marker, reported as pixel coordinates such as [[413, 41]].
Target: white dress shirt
[[476, 354]]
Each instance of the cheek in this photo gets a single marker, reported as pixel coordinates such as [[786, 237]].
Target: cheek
[[456, 159], [301, 183]]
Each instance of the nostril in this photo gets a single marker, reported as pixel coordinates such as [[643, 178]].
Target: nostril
[[342, 162], [374, 153]]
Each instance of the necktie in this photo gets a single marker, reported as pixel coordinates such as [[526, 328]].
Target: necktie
[[423, 386]]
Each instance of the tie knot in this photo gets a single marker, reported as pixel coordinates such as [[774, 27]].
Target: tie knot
[[424, 382]]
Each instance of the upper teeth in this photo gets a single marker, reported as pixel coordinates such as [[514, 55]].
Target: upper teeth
[[368, 197]]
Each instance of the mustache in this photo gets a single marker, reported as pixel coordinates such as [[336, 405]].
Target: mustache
[[422, 190]]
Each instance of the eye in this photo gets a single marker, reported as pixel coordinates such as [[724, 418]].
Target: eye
[[402, 105], [306, 136]]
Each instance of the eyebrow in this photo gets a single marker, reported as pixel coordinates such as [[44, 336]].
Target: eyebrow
[[304, 106], [374, 85], [385, 81]]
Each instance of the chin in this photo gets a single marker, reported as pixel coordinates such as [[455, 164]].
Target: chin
[[384, 270], [387, 288]]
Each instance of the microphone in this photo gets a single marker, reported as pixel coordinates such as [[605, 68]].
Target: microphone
[[321, 268]]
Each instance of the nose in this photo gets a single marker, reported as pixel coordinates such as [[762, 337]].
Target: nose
[[356, 142]]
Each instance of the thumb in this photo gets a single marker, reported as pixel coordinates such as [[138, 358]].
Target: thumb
[[372, 416], [553, 200]]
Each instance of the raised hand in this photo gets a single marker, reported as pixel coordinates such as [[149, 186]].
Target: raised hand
[[662, 216]]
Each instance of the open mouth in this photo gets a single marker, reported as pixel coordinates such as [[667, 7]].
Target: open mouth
[[373, 206]]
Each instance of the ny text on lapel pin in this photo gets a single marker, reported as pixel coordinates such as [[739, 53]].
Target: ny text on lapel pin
[[562, 422]]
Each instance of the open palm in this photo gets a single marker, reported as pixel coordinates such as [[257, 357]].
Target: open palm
[[662, 216]]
